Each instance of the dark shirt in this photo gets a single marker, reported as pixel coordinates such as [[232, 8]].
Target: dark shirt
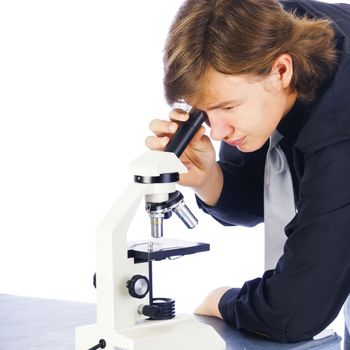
[[311, 281]]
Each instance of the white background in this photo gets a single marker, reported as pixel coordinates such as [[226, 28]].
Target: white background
[[79, 83]]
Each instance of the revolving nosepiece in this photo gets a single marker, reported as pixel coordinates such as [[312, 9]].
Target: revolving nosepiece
[[160, 211]]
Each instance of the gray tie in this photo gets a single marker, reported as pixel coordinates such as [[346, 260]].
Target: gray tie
[[279, 205]]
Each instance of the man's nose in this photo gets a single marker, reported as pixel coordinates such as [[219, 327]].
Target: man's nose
[[219, 129]]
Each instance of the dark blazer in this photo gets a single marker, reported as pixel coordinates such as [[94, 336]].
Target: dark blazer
[[311, 281]]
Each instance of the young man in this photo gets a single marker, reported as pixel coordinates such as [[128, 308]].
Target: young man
[[256, 66]]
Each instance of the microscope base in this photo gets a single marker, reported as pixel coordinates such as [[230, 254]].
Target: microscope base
[[183, 332]]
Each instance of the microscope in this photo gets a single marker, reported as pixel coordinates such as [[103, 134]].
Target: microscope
[[129, 317]]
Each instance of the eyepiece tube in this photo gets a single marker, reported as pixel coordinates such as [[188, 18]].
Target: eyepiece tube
[[185, 132]]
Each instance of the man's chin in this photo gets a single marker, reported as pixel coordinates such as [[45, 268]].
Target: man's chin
[[249, 147]]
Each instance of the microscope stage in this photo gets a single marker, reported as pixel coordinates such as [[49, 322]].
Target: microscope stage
[[164, 248]]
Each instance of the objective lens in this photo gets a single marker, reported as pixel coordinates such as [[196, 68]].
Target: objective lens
[[185, 214], [156, 226]]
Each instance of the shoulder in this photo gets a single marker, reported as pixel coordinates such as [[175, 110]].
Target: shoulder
[[337, 13], [329, 115], [328, 119]]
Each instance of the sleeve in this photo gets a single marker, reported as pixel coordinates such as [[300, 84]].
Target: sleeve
[[311, 281], [242, 200]]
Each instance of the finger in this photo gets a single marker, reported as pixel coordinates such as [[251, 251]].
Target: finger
[[156, 143], [198, 135], [162, 127], [178, 115]]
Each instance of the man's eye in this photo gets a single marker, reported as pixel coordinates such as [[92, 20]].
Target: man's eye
[[228, 108]]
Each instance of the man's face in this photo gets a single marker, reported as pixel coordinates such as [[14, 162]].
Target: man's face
[[243, 111]]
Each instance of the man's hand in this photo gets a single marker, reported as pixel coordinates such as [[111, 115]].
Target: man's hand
[[210, 304], [204, 175]]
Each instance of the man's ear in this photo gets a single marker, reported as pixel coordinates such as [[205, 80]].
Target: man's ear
[[282, 68]]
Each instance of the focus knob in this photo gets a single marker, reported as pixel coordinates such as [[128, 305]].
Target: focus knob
[[138, 286]]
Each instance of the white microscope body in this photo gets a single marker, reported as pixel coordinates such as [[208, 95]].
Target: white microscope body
[[119, 325]]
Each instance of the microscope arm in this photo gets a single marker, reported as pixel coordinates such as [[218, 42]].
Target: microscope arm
[[114, 268]]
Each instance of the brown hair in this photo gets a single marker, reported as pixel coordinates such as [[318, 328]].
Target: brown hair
[[244, 37]]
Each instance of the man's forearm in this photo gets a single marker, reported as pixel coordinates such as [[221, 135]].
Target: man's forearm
[[210, 305]]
